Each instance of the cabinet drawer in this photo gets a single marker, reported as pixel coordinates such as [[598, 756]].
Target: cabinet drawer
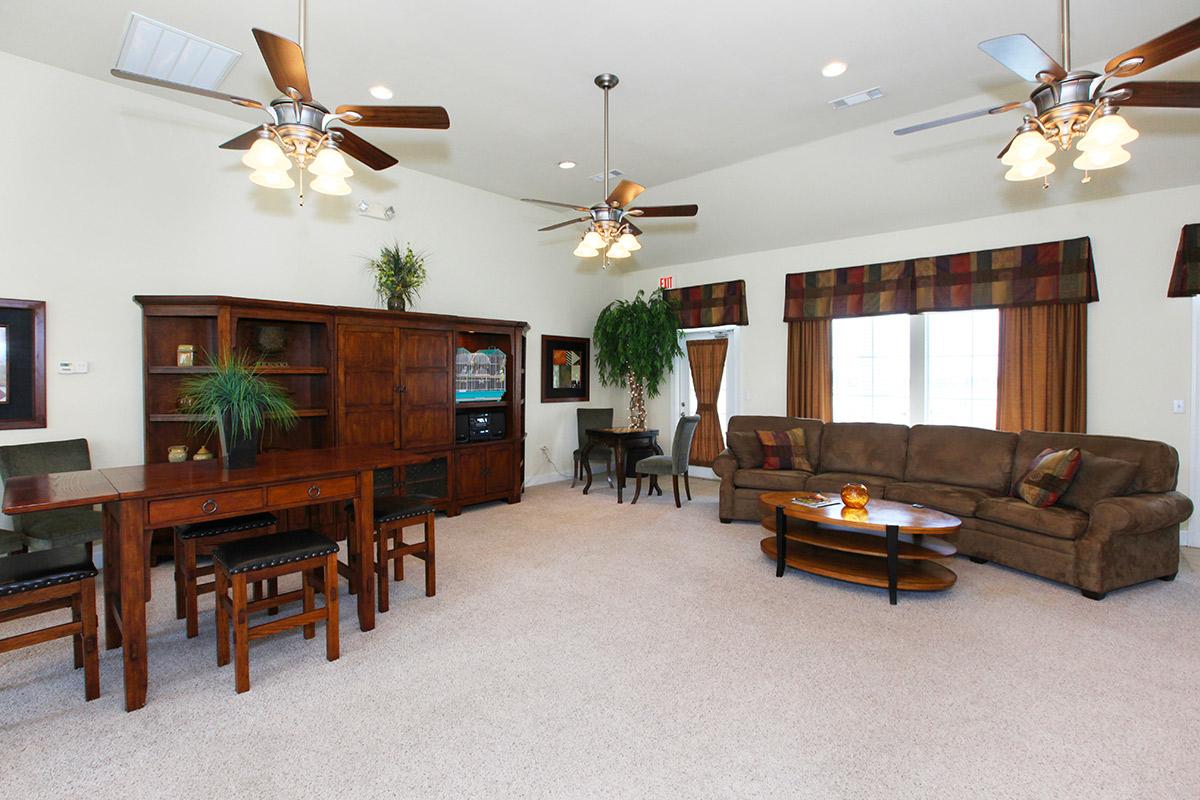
[[215, 505], [312, 491]]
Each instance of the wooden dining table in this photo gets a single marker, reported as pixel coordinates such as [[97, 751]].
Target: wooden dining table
[[622, 441], [137, 499]]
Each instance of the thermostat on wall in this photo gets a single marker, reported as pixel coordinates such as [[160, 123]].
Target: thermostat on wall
[[72, 367]]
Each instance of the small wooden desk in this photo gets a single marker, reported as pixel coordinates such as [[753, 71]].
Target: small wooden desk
[[149, 496], [620, 440]]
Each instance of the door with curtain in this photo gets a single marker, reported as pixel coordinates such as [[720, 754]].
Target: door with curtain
[[704, 380]]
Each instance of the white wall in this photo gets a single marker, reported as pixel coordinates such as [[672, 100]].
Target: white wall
[[111, 192], [1140, 352]]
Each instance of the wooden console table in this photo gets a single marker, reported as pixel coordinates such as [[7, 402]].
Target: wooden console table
[[620, 440], [857, 554], [140, 498]]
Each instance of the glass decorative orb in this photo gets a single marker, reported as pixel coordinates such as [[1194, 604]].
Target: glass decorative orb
[[855, 495]]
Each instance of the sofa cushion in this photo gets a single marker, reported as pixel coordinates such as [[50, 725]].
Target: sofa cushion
[[812, 429], [746, 448], [950, 454], [771, 479], [832, 482], [1061, 523], [867, 448], [1049, 477], [1099, 478], [784, 450], [1158, 462], [957, 500]]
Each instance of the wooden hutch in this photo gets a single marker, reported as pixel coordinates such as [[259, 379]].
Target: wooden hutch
[[357, 376]]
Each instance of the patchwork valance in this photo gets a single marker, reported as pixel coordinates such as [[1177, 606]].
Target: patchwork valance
[[710, 304], [1185, 280], [1026, 275], [849, 292]]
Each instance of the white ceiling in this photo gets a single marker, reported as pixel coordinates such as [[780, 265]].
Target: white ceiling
[[703, 86]]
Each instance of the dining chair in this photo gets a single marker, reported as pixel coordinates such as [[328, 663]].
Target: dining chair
[[675, 464], [586, 418], [44, 530]]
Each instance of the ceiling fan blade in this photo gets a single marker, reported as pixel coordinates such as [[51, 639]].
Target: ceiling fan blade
[[244, 141], [982, 112], [556, 205], [647, 212], [1159, 50], [285, 62], [624, 194], [360, 149], [183, 87], [563, 224], [1160, 94], [1022, 55], [433, 117]]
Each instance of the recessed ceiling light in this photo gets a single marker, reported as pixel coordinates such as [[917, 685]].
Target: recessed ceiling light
[[566, 165], [381, 93], [833, 69]]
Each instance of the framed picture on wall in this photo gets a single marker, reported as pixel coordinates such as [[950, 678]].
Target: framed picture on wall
[[566, 362], [22, 364]]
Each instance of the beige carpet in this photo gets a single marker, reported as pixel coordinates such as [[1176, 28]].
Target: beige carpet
[[578, 648]]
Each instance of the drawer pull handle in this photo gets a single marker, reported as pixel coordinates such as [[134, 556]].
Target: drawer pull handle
[[209, 506], [314, 491]]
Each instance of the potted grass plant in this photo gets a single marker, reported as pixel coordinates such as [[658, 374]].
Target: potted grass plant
[[238, 402], [399, 274], [636, 343]]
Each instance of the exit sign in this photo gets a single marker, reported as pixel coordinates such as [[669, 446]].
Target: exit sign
[[666, 282]]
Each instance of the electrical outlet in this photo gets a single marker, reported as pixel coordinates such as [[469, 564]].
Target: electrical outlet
[[1177, 406]]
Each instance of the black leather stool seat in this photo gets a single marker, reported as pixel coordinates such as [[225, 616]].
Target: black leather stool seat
[[216, 527], [390, 509], [25, 572], [272, 550]]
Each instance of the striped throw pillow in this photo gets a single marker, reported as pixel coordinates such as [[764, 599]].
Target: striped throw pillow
[[784, 450], [1049, 476]]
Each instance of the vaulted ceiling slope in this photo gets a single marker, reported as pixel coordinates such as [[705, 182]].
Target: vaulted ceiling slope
[[722, 104]]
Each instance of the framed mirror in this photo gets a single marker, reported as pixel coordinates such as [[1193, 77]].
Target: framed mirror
[[566, 369], [22, 364]]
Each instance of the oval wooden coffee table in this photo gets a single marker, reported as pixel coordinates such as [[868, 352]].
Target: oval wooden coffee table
[[856, 553]]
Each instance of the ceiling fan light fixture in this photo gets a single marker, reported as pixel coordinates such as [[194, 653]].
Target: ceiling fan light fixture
[[1030, 146], [583, 251], [330, 163], [1102, 158], [629, 242], [266, 155], [331, 184], [1029, 170], [1110, 130], [615, 250], [272, 178], [593, 240]]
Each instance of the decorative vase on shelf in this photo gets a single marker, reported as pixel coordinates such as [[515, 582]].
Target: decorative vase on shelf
[[395, 302], [855, 495]]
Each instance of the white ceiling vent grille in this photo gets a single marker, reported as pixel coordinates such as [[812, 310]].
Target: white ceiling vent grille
[[160, 51], [612, 173], [857, 98]]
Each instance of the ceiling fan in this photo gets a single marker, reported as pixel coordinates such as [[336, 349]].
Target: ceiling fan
[[611, 225], [299, 132], [1076, 104]]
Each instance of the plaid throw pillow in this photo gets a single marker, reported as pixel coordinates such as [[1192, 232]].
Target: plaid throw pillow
[[1049, 477], [784, 450]]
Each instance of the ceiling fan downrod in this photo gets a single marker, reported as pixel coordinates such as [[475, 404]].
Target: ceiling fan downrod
[[1065, 27]]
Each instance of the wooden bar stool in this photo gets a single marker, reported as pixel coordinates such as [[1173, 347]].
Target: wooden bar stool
[[238, 563], [392, 516], [199, 538], [48, 580]]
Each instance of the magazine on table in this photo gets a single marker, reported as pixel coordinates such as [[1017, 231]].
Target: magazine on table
[[814, 500]]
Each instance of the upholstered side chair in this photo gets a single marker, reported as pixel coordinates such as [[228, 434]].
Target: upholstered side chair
[[675, 464], [586, 418], [45, 530]]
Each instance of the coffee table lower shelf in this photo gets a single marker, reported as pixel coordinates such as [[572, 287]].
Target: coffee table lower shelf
[[912, 576]]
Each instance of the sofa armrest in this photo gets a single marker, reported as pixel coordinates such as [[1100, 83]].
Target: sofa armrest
[[725, 464], [1138, 513]]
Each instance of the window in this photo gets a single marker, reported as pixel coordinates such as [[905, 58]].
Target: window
[[937, 368]]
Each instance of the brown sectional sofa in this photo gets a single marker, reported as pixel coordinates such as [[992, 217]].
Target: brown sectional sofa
[[970, 473]]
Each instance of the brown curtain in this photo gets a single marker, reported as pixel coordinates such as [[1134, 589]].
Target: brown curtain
[[810, 369], [1042, 381], [706, 358]]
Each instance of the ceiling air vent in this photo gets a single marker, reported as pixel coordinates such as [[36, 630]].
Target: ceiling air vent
[[857, 98], [160, 51], [612, 173]]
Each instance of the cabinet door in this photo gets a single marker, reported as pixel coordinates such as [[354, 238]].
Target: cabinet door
[[470, 465], [427, 407], [499, 469], [367, 381]]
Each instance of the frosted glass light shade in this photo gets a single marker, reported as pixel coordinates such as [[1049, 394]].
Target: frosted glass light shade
[[330, 163], [615, 250], [593, 240], [1110, 130], [272, 179], [326, 184], [583, 251], [629, 242], [1028, 146], [1102, 158], [265, 154], [1029, 170]]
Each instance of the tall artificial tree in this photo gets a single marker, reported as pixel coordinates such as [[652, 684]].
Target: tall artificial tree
[[637, 342]]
